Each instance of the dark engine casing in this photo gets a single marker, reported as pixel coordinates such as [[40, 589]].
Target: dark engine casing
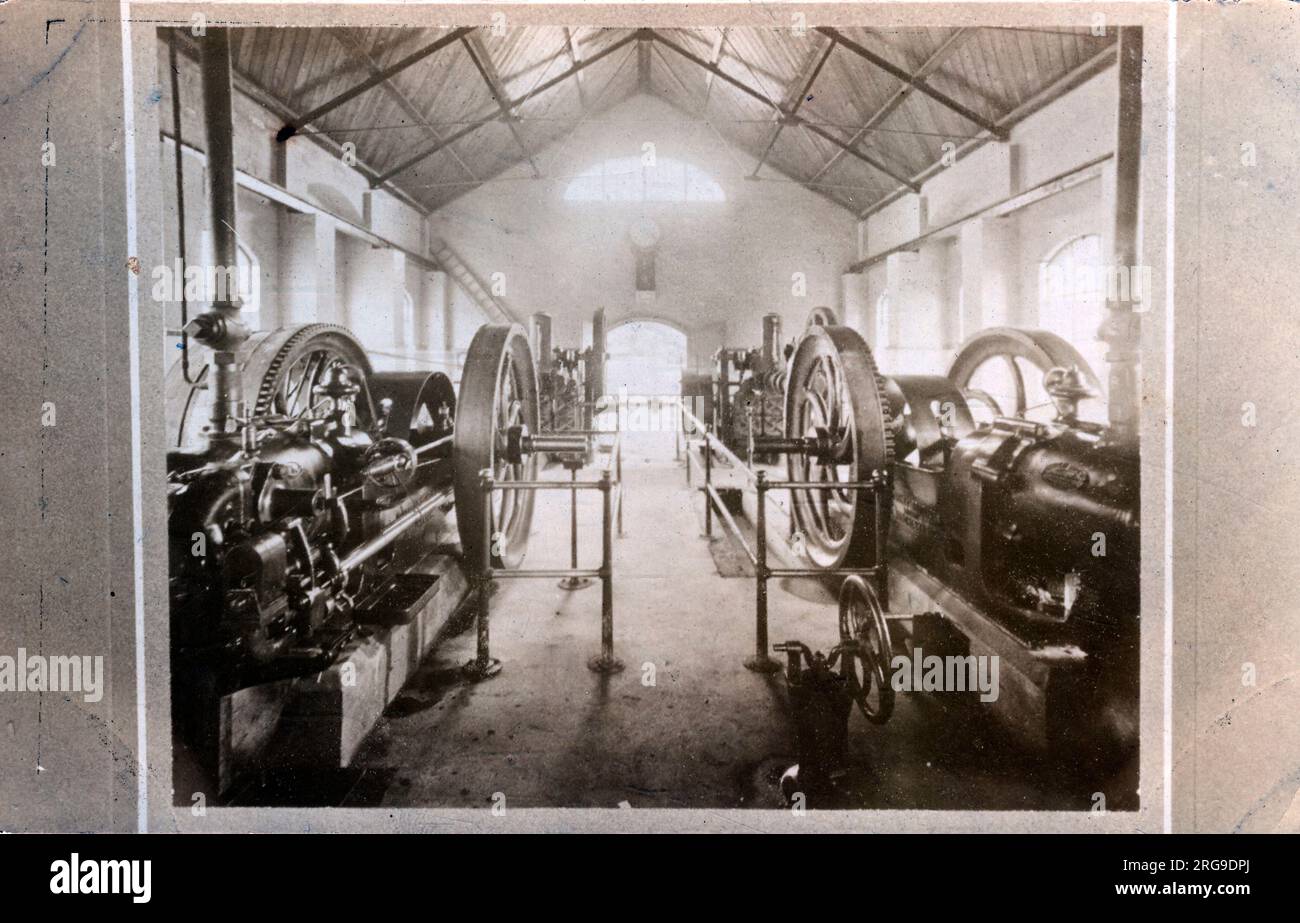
[[257, 534], [1034, 524]]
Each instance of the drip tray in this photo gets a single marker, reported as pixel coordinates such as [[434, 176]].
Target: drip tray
[[401, 598]]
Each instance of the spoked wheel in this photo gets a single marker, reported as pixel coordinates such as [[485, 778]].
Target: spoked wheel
[[1004, 366], [866, 669], [835, 393], [498, 392], [279, 369]]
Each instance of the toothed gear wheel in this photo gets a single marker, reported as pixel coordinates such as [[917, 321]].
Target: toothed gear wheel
[[292, 360], [265, 360]]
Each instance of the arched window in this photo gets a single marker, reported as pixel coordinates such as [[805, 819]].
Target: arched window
[[248, 279], [882, 322], [1072, 292], [628, 179], [408, 321]]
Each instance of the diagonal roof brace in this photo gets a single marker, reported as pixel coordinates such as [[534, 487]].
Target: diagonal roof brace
[[354, 45], [915, 82], [478, 53], [795, 97], [291, 128], [555, 81], [931, 64], [799, 120]]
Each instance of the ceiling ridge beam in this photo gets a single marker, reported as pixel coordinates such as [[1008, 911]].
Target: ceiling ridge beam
[[292, 127], [474, 126], [899, 96], [915, 82], [793, 119]]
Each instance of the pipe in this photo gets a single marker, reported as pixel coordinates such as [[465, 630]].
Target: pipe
[[772, 340], [1121, 329], [368, 549], [218, 121], [220, 327]]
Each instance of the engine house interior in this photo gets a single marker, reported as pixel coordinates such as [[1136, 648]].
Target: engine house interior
[[424, 548]]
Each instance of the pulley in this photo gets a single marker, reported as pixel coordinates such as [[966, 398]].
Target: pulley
[[837, 430], [498, 392]]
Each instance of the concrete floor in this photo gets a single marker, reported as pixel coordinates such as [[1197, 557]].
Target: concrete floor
[[684, 725]]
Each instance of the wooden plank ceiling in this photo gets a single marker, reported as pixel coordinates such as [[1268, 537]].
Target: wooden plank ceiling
[[894, 128]]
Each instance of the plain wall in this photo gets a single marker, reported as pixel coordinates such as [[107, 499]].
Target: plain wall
[[724, 263]]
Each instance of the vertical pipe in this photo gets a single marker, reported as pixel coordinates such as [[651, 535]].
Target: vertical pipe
[[218, 120], [1122, 328], [219, 327], [772, 340]]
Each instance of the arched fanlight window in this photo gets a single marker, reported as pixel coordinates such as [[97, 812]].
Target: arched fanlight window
[[408, 321], [1072, 296], [248, 278], [1072, 289], [628, 179]]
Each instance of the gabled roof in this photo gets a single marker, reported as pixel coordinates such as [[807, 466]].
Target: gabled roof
[[854, 114]]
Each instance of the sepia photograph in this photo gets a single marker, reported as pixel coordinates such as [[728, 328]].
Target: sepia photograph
[[644, 417], [521, 377]]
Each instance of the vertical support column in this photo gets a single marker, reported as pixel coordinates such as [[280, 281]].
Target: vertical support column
[[761, 662], [606, 662], [483, 665]]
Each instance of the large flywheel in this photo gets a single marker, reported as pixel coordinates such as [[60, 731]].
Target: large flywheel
[[836, 397], [1003, 367], [279, 370], [498, 398]]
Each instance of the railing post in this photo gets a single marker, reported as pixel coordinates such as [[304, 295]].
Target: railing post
[[882, 496], [573, 583], [483, 665], [622, 494], [761, 662], [677, 433], [708, 481], [606, 662]]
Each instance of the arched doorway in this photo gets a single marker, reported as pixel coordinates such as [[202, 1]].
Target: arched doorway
[[643, 372], [646, 358]]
